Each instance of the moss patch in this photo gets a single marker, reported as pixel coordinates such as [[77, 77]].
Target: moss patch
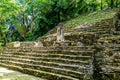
[[90, 18]]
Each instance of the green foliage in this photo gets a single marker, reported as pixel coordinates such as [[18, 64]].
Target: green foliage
[[46, 14], [22, 30], [90, 18], [8, 8]]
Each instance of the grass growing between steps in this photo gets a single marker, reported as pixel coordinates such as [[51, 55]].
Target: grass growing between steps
[[90, 18]]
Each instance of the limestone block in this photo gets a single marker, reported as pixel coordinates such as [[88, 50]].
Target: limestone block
[[16, 44], [79, 44], [38, 44]]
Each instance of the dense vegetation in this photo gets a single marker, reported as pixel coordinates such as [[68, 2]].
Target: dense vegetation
[[25, 20]]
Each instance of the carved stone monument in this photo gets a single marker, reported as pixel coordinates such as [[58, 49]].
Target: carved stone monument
[[60, 32]]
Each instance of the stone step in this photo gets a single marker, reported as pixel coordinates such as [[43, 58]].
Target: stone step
[[101, 27], [53, 64], [75, 37], [68, 34], [17, 68], [105, 35], [66, 72], [111, 39], [53, 48], [116, 60], [116, 33], [59, 60], [40, 73], [111, 45], [115, 49], [96, 28], [36, 57], [92, 30], [101, 32], [115, 69], [39, 52], [51, 76], [113, 64]]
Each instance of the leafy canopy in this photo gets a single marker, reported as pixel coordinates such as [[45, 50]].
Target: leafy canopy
[[8, 8]]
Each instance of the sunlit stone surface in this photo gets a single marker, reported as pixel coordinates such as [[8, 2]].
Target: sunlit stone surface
[[6, 74]]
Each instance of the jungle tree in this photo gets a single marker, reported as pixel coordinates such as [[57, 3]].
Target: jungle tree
[[8, 8]]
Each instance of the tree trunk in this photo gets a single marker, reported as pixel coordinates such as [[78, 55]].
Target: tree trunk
[[112, 3], [116, 3], [58, 17], [23, 19], [101, 5], [5, 40]]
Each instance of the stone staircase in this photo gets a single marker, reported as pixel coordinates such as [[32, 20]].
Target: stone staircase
[[86, 35], [110, 58], [67, 60], [53, 63]]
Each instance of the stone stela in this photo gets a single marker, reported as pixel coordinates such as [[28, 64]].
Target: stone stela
[[60, 32]]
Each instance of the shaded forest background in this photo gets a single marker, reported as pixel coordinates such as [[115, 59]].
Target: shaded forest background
[[26, 20]]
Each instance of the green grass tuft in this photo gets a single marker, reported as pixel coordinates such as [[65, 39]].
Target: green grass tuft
[[90, 18]]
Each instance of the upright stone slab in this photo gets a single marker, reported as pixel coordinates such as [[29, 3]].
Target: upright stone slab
[[60, 32]]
